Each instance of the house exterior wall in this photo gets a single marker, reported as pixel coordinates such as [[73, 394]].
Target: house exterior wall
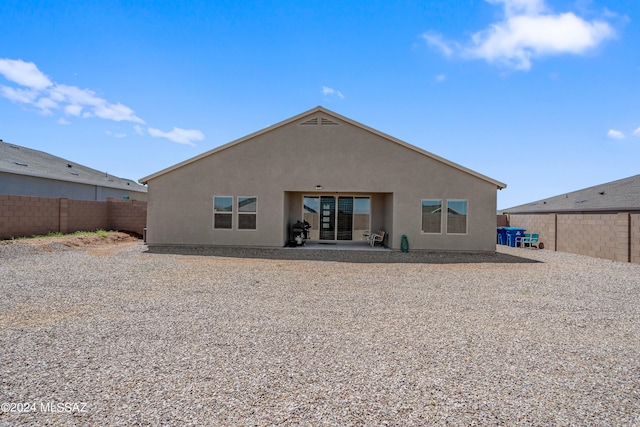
[[294, 159], [614, 236], [24, 185]]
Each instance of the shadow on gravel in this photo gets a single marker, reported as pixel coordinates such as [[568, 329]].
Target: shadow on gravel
[[374, 257]]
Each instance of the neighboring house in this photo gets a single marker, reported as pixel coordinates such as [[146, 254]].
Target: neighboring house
[[27, 172], [343, 177], [601, 221]]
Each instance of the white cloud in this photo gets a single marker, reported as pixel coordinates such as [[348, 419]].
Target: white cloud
[[24, 73], [47, 97], [116, 112], [518, 7], [615, 134], [115, 135], [440, 78], [46, 105], [99, 107], [437, 42], [636, 132], [21, 96], [181, 136], [73, 110], [327, 91], [529, 30]]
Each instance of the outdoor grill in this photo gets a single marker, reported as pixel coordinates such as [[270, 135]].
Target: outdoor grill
[[299, 233]]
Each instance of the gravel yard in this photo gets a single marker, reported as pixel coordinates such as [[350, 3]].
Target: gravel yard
[[112, 334]]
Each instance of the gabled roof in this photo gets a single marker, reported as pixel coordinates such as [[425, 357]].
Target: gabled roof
[[620, 195], [20, 160], [328, 113]]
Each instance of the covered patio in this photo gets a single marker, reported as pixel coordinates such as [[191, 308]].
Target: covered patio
[[339, 218]]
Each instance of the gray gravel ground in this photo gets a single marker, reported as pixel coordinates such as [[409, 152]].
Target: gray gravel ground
[[122, 336]]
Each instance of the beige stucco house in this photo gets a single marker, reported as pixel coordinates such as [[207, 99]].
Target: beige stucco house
[[341, 176]]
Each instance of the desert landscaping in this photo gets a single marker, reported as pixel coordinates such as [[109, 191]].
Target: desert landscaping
[[103, 331]]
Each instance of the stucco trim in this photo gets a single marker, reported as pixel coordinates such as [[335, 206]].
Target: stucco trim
[[320, 109]]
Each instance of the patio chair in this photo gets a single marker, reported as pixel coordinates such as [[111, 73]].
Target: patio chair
[[523, 241], [533, 242], [379, 237]]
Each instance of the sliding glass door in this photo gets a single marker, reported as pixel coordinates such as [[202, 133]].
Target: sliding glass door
[[343, 218]]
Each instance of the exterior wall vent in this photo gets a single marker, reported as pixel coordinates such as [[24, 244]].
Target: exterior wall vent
[[322, 122], [326, 121]]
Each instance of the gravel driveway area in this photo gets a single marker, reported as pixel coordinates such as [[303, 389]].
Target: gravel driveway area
[[117, 335]]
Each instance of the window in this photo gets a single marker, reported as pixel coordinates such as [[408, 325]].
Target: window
[[247, 213], [223, 212], [432, 216], [456, 216]]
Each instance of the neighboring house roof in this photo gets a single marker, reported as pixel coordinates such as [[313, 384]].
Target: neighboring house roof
[[19, 160], [620, 195], [329, 113]]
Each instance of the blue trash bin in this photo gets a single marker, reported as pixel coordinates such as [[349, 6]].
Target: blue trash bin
[[502, 235], [512, 234]]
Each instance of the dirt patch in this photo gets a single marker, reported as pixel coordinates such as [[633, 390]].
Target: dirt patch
[[50, 244]]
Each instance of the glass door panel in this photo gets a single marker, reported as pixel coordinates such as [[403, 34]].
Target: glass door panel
[[327, 218], [311, 214], [361, 217], [345, 218]]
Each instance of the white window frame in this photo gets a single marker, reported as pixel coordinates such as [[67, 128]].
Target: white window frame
[[422, 220], [254, 213], [223, 212], [466, 219]]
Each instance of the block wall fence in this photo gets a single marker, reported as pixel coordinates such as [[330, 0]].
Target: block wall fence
[[27, 216], [614, 236]]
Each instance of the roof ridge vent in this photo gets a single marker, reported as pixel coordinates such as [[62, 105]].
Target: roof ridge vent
[[312, 121]]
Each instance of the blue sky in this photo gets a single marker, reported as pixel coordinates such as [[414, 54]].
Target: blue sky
[[541, 95]]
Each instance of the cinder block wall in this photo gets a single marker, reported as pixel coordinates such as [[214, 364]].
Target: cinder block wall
[[128, 215], [85, 215], [635, 238], [596, 235], [27, 216], [543, 224], [614, 236]]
